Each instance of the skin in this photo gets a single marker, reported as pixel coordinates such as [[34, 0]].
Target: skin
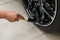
[[11, 16]]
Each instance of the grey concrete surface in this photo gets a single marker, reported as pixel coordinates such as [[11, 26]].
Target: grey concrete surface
[[20, 30]]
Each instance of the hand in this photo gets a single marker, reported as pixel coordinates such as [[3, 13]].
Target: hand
[[13, 16]]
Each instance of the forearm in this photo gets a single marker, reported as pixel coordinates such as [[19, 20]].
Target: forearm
[[2, 14]]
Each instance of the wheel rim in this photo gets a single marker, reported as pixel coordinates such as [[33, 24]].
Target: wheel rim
[[50, 17], [44, 9]]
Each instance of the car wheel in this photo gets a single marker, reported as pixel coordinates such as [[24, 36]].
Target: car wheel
[[44, 13]]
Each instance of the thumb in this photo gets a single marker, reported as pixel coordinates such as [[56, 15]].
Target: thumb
[[22, 18]]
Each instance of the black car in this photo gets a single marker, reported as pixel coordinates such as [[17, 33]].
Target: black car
[[44, 13]]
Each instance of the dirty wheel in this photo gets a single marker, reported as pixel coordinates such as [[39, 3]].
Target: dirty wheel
[[44, 13]]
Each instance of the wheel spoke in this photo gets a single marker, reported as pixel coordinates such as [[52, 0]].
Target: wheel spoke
[[48, 14]]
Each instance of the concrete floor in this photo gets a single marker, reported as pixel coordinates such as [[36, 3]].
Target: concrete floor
[[20, 30]]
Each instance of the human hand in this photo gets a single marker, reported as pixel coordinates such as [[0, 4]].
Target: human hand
[[13, 16]]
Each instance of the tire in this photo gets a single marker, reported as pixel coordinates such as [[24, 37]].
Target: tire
[[55, 24]]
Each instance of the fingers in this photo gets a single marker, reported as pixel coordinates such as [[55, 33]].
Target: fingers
[[16, 18], [21, 17]]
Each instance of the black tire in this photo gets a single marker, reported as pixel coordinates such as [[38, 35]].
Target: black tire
[[55, 26]]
